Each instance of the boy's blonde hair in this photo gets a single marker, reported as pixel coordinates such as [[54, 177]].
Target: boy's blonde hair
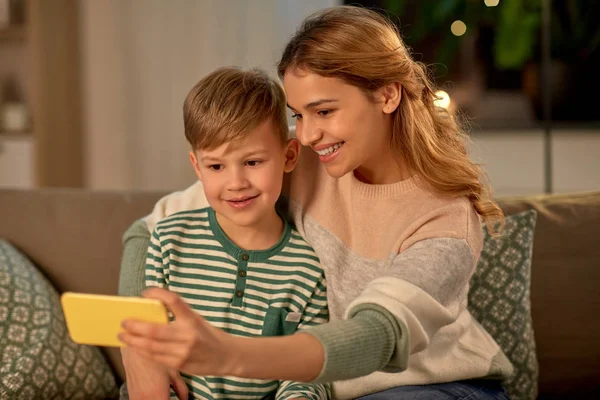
[[364, 49], [227, 104]]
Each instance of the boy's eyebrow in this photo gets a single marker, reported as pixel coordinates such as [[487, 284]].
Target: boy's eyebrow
[[245, 155], [315, 103], [255, 152], [209, 158]]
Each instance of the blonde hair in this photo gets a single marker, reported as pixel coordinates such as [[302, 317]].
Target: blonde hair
[[364, 49], [227, 104]]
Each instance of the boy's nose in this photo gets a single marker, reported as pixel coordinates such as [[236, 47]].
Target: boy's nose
[[238, 181]]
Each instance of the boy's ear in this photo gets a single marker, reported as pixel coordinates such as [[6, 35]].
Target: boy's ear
[[292, 152], [194, 161]]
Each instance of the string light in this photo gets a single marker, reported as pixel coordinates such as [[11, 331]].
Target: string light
[[491, 3], [458, 28], [443, 99]]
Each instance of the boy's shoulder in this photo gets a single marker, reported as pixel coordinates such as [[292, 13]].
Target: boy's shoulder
[[188, 217], [298, 245]]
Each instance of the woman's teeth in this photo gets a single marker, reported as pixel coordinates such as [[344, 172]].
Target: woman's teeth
[[330, 149]]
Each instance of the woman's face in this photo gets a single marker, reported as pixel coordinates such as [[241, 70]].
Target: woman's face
[[338, 121]]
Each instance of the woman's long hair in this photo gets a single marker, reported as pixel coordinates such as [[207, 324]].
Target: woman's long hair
[[364, 49]]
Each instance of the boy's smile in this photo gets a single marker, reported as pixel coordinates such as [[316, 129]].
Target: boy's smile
[[241, 202]]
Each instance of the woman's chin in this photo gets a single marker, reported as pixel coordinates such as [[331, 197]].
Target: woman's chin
[[337, 171]]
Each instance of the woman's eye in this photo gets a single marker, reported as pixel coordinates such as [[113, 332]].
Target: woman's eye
[[297, 116]]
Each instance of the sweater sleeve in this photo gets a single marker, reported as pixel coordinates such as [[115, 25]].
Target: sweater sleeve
[[133, 263], [360, 345], [399, 311]]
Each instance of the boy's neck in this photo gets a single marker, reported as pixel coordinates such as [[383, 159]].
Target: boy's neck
[[261, 236]]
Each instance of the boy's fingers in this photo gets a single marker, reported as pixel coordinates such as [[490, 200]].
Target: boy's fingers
[[172, 301]]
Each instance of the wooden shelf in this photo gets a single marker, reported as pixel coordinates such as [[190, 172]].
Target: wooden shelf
[[13, 33]]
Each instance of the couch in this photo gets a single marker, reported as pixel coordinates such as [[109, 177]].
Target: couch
[[74, 238]]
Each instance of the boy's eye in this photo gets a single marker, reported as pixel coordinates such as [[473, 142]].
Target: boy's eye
[[253, 163], [215, 167]]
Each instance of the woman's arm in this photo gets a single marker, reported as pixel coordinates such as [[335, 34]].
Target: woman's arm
[[193, 345], [133, 263], [334, 351], [338, 350]]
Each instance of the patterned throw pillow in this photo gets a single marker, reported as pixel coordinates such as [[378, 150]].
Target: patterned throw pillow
[[38, 360], [499, 299]]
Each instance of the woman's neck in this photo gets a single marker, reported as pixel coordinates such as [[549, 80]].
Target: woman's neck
[[383, 169]]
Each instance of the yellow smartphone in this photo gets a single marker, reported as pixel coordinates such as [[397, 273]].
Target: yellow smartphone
[[96, 319]]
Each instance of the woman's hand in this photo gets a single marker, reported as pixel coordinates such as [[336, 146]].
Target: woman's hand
[[188, 344]]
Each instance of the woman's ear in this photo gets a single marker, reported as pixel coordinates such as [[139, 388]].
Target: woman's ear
[[292, 152], [194, 161], [391, 95]]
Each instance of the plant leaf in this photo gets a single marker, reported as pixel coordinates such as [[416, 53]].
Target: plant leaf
[[515, 34]]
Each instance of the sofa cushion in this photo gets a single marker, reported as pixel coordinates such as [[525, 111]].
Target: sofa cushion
[[564, 287], [499, 299], [39, 360]]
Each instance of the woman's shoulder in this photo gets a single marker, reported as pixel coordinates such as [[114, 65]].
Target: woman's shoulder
[[438, 216], [191, 198]]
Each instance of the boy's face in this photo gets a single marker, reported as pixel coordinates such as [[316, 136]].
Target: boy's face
[[242, 184]]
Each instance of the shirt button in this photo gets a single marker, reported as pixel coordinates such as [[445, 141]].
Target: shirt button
[[245, 257], [242, 273], [239, 293]]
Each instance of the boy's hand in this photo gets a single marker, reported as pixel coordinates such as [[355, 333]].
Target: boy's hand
[[188, 344]]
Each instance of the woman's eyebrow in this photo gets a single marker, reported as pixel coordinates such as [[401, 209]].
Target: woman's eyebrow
[[315, 103]]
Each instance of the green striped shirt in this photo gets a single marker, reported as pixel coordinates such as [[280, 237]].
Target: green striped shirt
[[247, 293]]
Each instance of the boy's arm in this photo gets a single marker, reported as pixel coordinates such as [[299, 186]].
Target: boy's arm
[[316, 313]]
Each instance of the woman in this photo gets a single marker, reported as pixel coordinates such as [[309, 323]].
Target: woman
[[390, 201]]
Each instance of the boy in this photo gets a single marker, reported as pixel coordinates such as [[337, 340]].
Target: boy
[[238, 262]]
